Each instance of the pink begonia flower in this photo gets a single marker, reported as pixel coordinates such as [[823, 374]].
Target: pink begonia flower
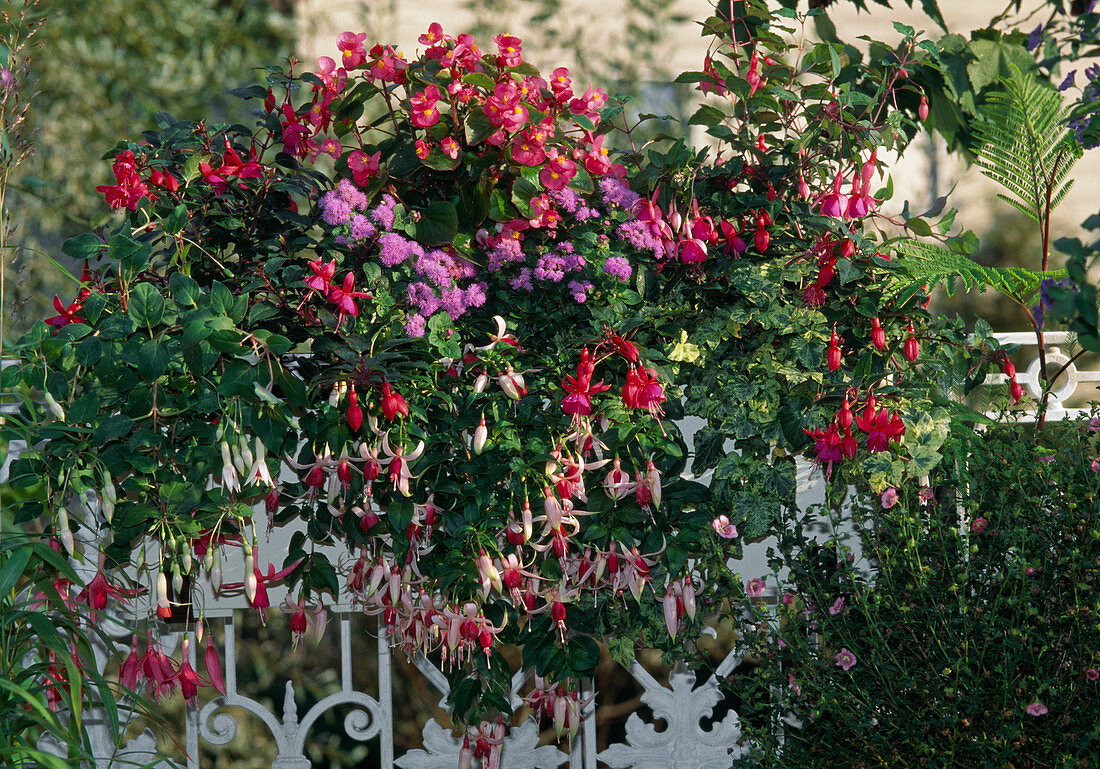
[[1037, 709], [755, 588], [978, 525], [724, 528], [837, 607], [845, 659], [889, 498]]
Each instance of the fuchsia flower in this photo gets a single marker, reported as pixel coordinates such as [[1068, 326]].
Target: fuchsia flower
[[321, 279], [881, 428], [393, 403], [889, 498], [1037, 709], [834, 203], [344, 298], [845, 659]]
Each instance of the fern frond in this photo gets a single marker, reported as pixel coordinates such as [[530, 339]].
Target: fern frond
[[1022, 144], [920, 264]]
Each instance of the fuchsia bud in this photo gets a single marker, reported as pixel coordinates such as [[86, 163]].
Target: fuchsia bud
[[1015, 390], [878, 336], [803, 188], [844, 416], [1008, 368], [833, 356], [922, 110], [912, 347], [761, 239], [481, 435], [672, 619], [354, 414]]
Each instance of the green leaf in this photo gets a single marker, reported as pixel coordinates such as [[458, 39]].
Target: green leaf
[[146, 305], [500, 207], [152, 359], [184, 289], [85, 246], [438, 224], [114, 426]]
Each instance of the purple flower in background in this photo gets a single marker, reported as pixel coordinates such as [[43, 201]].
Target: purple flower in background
[[383, 213], [437, 267], [334, 209], [1045, 302], [616, 192], [351, 194], [421, 296], [1069, 82], [579, 289], [568, 200], [361, 228], [638, 234], [1035, 38], [507, 250], [837, 607], [550, 267], [845, 659], [618, 267], [522, 281], [394, 249], [453, 302], [414, 326], [475, 294], [1037, 709]]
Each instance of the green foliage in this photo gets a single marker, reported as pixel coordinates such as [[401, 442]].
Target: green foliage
[[965, 603], [1023, 147], [922, 264]]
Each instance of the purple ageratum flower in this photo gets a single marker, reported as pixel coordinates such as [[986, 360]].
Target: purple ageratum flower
[[508, 250], [522, 281], [475, 294], [584, 213], [438, 267], [334, 210], [618, 267], [638, 234], [616, 193], [453, 302], [352, 195], [414, 326], [361, 228], [568, 200], [550, 267], [383, 213], [845, 659], [579, 289], [394, 249], [422, 297]]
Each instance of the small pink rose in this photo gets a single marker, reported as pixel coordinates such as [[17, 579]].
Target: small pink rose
[[889, 498], [1037, 709], [1092, 674], [755, 588], [978, 525]]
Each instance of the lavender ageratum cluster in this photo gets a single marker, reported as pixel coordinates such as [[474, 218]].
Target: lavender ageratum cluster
[[616, 193], [344, 209]]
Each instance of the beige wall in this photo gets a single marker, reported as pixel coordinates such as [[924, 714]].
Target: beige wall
[[600, 21]]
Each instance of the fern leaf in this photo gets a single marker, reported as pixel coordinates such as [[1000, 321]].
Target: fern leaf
[[1022, 145], [932, 265]]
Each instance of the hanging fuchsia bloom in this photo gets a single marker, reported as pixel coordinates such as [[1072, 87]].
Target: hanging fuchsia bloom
[[189, 680], [835, 203], [65, 314], [881, 428], [643, 391], [581, 388], [214, 666], [393, 403], [344, 298], [321, 279], [827, 447], [98, 590]]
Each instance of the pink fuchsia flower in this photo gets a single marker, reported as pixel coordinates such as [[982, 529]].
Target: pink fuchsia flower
[[889, 498], [1092, 674], [837, 607], [978, 525], [788, 598], [845, 659], [723, 528], [755, 588], [1037, 709]]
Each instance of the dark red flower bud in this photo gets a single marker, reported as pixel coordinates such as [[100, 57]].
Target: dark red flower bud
[[878, 335], [912, 348]]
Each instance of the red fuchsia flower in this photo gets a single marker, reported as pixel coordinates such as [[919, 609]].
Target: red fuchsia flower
[[512, 383], [617, 484], [159, 178], [643, 391], [1037, 709], [510, 50], [723, 528], [189, 681], [255, 583], [713, 84], [881, 428], [321, 279], [449, 147], [65, 314], [755, 587], [845, 659], [581, 388], [878, 335], [835, 203], [344, 298], [296, 135], [351, 48], [922, 109], [96, 593], [827, 447], [978, 525], [214, 667], [129, 672], [423, 112], [393, 403], [730, 237], [363, 167], [129, 187], [889, 498], [753, 75], [159, 670], [398, 464], [762, 237]]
